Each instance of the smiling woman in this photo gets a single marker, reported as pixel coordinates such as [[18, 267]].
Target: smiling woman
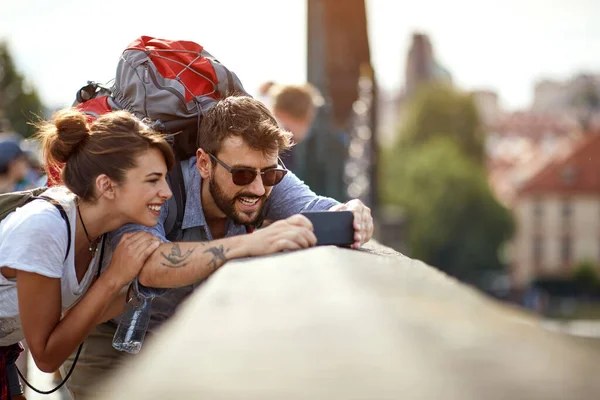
[[114, 172]]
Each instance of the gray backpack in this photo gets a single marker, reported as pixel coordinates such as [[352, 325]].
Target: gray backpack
[[171, 84]]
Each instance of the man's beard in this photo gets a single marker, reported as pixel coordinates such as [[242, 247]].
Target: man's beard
[[227, 205]]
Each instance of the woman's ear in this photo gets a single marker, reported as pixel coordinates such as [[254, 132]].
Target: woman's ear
[[105, 186], [203, 163]]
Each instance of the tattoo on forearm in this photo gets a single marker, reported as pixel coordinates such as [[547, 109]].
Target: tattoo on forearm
[[218, 253], [175, 259]]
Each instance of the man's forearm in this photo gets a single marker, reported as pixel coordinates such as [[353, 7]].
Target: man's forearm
[[184, 263]]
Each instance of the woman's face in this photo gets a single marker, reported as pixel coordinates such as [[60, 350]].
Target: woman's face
[[145, 189]]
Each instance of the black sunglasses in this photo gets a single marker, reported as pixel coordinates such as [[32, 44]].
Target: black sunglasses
[[243, 176]]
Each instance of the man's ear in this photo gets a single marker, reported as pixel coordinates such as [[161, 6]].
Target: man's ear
[[203, 163], [105, 186]]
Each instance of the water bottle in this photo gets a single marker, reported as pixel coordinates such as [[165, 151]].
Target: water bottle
[[134, 321]]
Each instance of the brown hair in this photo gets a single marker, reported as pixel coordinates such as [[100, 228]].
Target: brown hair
[[109, 145], [298, 101], [247, 118]]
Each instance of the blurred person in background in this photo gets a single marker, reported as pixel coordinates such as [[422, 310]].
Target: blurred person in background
[[295, 108], [320, 150], [14, 167], [263, 93], [36, 175]]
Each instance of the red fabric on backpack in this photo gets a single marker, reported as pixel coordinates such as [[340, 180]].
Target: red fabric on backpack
[[94, 108], [180, 61], [169, 83]]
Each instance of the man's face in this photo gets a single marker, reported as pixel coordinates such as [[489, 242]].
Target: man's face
[[243, 204]]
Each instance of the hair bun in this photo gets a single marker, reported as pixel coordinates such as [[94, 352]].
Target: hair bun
[[72, 131]]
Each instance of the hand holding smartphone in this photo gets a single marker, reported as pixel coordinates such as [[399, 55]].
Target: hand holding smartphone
[[332, 227]]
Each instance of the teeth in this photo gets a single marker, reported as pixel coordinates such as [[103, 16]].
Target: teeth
[[249, 201], [154, 208]]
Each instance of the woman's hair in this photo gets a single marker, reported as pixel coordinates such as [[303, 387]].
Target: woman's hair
[[109, 145]]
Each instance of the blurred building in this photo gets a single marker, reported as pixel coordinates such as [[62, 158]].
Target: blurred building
[[421, 65], [488, 106], [578, 98], [557, 216], [520, 144], [388, 108]]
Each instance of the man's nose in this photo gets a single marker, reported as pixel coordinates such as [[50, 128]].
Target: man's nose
[[257, 187]]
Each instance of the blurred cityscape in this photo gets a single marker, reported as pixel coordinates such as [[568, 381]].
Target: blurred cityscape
[[542, 166], [508, 201]]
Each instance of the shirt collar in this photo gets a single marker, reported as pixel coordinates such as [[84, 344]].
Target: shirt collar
[[193, 215]]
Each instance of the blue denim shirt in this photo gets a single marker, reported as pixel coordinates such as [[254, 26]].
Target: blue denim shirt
[[291, 196]]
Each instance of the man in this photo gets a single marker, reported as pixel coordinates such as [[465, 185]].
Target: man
[[295, 107], [234, 182], [321, 149]]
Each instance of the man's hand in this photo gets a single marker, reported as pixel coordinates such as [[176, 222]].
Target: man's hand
[[363, 221], [293, 233]]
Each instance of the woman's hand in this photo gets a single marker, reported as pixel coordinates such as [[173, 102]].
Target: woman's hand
[[131, 253]]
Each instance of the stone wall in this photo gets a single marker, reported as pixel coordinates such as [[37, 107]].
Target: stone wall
[[333, 323]]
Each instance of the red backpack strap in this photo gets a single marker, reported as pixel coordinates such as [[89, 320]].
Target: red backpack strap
[[95, 107]]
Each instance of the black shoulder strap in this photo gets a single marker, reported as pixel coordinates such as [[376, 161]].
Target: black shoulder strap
[[101, 257], [63, 214], [174, 220]]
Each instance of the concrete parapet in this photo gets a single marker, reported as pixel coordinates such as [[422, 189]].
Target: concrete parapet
[[333, 323]]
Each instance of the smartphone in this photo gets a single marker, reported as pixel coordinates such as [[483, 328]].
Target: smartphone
[[332, 227]]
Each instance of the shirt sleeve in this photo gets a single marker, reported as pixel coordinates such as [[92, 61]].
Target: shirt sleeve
[[292, 196], [35, 240], [157, 230]]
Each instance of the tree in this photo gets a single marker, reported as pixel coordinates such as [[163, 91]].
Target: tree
[[19, 101], [454, 221], [585, 274], [438, 109]]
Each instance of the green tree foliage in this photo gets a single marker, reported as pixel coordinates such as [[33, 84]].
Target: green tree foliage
[[585, 274], [454, 221], [19, 102], [435, 173], [439, 110]]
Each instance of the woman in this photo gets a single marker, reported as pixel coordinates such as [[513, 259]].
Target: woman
[[115, 173]]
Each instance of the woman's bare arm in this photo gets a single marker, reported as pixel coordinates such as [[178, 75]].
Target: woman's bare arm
[[52, 339]]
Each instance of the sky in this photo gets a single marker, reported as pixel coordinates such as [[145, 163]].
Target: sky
[[504, 46]]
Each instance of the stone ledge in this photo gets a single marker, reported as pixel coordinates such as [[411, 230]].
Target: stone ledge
[[333, 323]]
